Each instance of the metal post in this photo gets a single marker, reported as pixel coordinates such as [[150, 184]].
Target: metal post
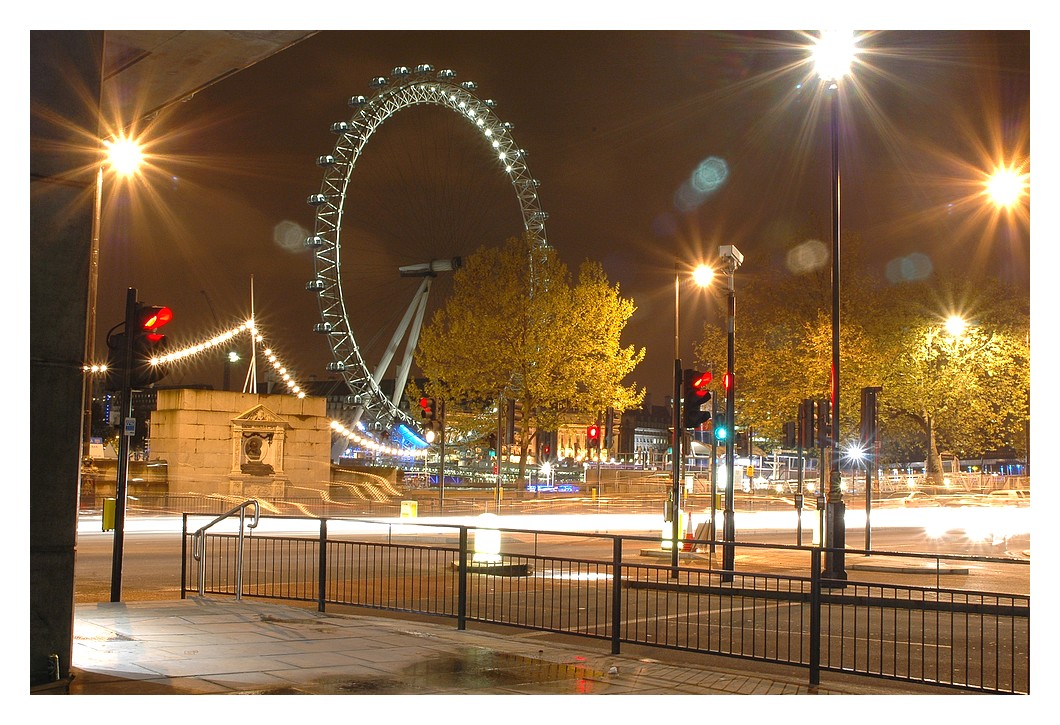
[[500, 447], [183, 555], [90, 317], [599, 456], [800, 437], [121, 493], [461, 596], [869, 441], [815, 616], [835, 528], [675, 490], [728, 560], [616, 596], [322, 565], [675, 440], [441, 461], [713, 475]]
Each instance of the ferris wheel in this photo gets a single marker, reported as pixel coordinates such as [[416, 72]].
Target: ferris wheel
[[342, 258]]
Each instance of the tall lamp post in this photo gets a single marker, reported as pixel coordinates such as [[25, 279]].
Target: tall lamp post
[[124, 156], [732, 259], [702, 276], [833, 56]]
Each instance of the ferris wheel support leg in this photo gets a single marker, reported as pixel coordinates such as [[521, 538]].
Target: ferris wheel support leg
[[410, 345]]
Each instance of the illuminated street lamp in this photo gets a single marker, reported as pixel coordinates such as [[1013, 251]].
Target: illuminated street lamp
[[955, 326], [833, 56], [1005, 187], [124, 157], [702, 276]]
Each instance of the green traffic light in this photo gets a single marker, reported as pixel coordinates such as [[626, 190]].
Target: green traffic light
[[720, 433]]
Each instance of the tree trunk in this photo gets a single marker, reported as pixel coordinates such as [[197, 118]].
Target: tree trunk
[[933, 465]]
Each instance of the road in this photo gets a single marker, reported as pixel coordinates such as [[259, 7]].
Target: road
[[152, 552]]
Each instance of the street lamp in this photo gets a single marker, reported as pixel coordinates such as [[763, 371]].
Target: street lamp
[[1005, 187], [833, 55], [702, 276], [124, 156], [732, 259], [955, 326]]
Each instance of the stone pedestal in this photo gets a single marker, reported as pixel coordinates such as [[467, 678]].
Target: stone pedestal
[[247, 486]]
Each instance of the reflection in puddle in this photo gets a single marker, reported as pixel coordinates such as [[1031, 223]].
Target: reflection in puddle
[[478, 668]]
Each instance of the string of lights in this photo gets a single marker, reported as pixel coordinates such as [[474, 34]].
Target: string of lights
[[362, 439]]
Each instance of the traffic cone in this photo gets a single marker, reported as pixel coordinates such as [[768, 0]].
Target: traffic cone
[[689, 537]]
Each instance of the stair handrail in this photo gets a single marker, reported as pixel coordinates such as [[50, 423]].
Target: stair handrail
[[198, 543]]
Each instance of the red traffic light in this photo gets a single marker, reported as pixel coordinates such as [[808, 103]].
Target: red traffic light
[[728, 381], [699, 384], [427, 408], [593, 432], [152, 318]]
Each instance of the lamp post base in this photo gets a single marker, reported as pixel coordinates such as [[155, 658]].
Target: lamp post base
[[834, 558]]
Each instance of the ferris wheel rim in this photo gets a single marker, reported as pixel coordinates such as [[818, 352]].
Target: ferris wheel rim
[[403, 89]]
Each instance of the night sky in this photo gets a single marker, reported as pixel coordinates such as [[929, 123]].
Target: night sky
[[615, 124]]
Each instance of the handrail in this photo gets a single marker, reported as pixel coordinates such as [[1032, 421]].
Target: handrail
[[198, 539]]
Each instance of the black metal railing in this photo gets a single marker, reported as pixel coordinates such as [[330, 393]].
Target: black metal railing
[[775, 607]]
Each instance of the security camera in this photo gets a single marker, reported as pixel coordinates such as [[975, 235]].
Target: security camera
[[728, 251]]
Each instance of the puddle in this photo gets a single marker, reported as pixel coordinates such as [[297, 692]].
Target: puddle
[[477, 669]]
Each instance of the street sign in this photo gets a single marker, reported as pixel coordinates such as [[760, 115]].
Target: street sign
[[130, 426]]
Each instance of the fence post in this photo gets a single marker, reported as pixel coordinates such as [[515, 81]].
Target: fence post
[[616, 596], [322, 565], [183, 555], [461, 597], [815, 616]]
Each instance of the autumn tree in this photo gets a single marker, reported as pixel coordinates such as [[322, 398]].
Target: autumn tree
[[517, 327], [962, 382], [966, 393]]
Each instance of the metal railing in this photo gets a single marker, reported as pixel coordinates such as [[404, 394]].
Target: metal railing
[[198, 544], [775, 607]]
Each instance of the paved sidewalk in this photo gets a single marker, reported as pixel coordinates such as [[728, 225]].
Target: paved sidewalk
[[218, 646]]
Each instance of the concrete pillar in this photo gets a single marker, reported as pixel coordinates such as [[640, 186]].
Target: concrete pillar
[[65, 81]]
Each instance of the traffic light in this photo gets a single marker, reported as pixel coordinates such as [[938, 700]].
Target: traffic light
[[806, 424], [428, 411], [721, 429], [824, 423], [148, 345], [790, 436], [695, 394], [592, 436]]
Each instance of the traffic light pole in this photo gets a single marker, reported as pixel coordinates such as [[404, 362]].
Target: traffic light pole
[[713, 475], [728, 556], [675, 491], [441, 460], [121, 493], [500, 447]]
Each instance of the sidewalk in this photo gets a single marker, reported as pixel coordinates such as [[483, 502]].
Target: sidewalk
[[225, 646]]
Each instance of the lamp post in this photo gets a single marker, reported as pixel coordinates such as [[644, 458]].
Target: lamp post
[[732, 258], [702, 276], [833, 55], [124, 157]]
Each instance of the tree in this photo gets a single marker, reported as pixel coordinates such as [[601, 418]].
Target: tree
[[966, 390], [517, 328], [968, 394]]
